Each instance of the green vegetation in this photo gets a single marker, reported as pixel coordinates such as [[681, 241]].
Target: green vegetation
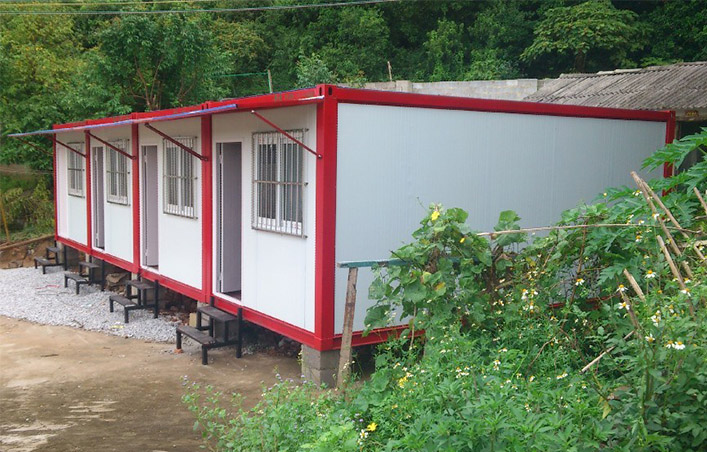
[[65, 68], [540, 345]]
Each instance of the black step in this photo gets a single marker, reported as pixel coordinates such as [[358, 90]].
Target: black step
[[53, 249], [121, 300], [197, 335], [76, 277], [86, 264], [216, 313], [140, 284]]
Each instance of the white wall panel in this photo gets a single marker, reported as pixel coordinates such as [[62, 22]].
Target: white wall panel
[[394, 161], [180, 238], [72, 213], [278, 270], [118, 217]]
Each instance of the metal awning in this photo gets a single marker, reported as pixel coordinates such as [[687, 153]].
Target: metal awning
[[244, 106], [128, 122]]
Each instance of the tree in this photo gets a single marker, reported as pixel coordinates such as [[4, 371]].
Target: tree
[[311, 70], [154, 63], [37, 58], [580, 32], [445, 50]]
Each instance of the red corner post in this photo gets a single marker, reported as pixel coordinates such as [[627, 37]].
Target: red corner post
[[56, 194], [135, 163], [207, 208], [670, 133], [89, 193], [325, 241]]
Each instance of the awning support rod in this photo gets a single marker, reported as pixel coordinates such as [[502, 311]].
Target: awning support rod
[[176, 143], [268, 122], [29, 143], [70, 148], [115, 148]]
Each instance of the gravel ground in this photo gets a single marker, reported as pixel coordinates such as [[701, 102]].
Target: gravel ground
[[25, 293]]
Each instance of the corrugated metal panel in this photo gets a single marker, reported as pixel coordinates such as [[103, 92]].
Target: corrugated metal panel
[[393, 162], [680, 86]]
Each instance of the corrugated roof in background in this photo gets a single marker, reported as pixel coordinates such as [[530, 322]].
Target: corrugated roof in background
[[681, 86]]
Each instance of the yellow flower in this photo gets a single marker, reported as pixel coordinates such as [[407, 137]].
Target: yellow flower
[[434, 215], [402, 381], [372, 427], [462, 240]]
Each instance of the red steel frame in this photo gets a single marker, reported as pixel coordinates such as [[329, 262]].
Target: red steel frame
[[327, 99]]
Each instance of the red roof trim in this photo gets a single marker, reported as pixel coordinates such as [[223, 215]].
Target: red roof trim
[[372, 97]]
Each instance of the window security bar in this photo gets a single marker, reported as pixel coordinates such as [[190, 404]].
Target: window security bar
[[116, 149], [271, 124], [71, 149], [176, 143]]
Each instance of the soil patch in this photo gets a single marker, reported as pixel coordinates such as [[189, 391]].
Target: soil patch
[[65, 389]]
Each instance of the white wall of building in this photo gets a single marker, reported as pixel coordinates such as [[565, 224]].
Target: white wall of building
[[278, 269], [71, 210], [393, 162], [180, 238], [118, 217]]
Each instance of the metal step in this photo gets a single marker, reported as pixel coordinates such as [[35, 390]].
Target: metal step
[[197, 335], [89, 265], [216, 313], [140, 284]]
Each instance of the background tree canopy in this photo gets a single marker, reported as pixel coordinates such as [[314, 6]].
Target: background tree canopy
[[72, 67]]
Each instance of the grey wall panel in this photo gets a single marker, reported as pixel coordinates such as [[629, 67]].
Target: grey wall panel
[[394, 161]]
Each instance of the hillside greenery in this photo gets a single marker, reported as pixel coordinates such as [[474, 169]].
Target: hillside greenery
[[64, 68], [590, 337]]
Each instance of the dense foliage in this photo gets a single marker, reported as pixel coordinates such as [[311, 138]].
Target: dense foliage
[[581, 339], [64, 68]]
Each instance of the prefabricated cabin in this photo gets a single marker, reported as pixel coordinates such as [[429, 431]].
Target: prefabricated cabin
[[253, 201]]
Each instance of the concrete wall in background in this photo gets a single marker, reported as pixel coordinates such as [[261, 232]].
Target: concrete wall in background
[[485, 89]]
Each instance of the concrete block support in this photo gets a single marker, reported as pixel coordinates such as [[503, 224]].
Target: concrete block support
[[320, 367]]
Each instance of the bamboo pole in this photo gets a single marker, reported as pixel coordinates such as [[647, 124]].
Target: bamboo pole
[[667, 211], [347, 333], [642, 186], [569, 227], [602, 354], [699, 196], [4, 217], [634, 284], [675, 271], [631, 314]]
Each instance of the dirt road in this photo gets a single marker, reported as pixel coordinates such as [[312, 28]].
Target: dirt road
[[64, 389]]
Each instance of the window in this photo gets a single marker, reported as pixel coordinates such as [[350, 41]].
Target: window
[[75, 167], [117, 171], [278, 182], [179, 198]]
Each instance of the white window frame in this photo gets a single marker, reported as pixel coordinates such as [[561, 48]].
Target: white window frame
[[278, 188], [117, 171], [75, 169], [179, 178]]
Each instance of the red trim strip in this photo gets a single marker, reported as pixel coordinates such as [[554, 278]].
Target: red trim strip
[[89, 193], [274, 126], [118, 262], [360, 96], [281, 327], [175, 142], [670, 131], [207, 206], [325, 236], [171, 284], [135, 144], [70, 148], [73, 244], [116, 149], [56, 193]]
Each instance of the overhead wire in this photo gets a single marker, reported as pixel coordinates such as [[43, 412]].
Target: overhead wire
[[188, 11]]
